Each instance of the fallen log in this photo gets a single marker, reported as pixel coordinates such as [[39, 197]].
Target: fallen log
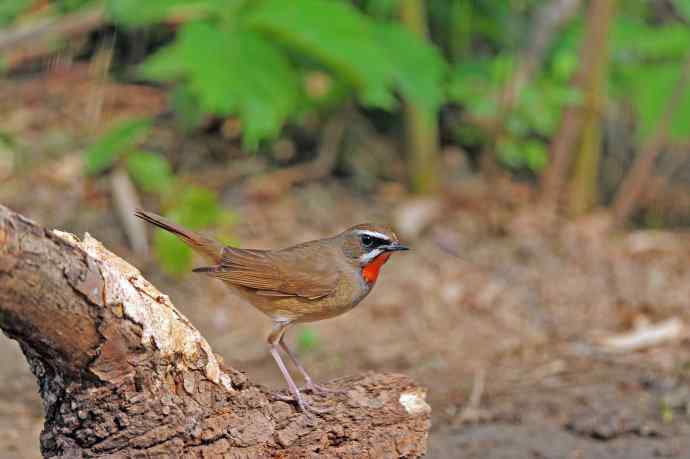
[[122, 373]]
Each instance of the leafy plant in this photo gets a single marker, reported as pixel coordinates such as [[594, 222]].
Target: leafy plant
[[248, 59], [196, 208], [647, 64], [150, 171], [122, 139], [191, 206], [10, 9], [271, 62], [534, 117]]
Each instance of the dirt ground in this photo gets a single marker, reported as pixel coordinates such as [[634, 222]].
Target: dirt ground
[[503, 313]]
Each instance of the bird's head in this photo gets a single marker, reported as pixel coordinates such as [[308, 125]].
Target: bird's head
[[369, 246]]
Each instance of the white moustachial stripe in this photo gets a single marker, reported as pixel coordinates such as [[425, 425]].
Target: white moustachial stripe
[[367, 257]]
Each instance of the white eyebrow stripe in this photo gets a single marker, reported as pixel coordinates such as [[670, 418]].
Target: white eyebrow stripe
[[375, 234], [367, 257]]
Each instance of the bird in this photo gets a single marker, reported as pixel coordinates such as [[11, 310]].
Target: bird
[[307, 282]]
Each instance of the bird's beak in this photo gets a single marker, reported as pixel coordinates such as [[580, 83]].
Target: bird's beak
[[395, 247]]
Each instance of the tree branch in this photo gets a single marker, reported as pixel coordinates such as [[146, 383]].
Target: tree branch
[[123, 373]]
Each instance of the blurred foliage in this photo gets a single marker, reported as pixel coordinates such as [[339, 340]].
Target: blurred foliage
[[10, 9], [647, 64], [103, 153], [271, 63], [307, 339], [150, 171], [254, 59], [192, 206], [196, 208], [534, 117]]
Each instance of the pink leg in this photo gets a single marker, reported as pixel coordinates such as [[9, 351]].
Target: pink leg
[[311, 385], [273, 339]]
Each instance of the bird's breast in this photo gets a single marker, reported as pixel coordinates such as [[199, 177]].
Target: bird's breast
[[371, 271]]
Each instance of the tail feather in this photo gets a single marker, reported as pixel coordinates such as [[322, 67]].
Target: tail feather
[[205, 269], [202, 244]]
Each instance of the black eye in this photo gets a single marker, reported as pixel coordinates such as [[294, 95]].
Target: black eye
[[367, 240]]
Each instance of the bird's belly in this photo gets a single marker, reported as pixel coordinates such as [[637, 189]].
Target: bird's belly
[[342, 301], [298, 309]]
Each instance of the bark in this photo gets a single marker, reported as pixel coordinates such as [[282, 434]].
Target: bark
[[122, 373]]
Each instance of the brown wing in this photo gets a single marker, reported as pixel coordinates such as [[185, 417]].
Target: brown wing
[[297, 271]]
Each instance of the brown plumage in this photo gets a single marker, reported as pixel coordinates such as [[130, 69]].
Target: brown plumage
[[306, 282]]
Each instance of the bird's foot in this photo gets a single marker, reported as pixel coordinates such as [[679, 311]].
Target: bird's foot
[[322, 390], [302, 403]]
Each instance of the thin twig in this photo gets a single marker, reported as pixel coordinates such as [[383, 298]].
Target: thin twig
[[472, 411], [565, 140], [69, 24], [645, 336], [548, 20], [630, 190], [126, 201]]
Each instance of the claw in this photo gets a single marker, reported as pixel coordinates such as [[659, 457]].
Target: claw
[[322, 390], [303, 405]]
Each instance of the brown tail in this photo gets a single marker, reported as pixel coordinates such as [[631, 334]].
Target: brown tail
[[202, 244]]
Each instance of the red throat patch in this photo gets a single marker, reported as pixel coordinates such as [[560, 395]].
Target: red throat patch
[[371, 271]]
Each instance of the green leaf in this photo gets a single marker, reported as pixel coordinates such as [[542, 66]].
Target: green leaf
[[469, 81], [564, 64], [650, 88], [187, 109], [683, 7], [536, 155], [105, 151], [150, 171], [409, 55], [338, 36], [196, 208], [469, 134], [10, 9], [633, 38], [307, 339], [508, 152], [231, 72], [174, 255], [502, 67], [382, 8]]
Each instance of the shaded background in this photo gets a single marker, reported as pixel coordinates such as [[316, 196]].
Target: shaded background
[[535, 154]]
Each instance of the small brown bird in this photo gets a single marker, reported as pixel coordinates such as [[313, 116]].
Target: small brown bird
[[307, 282]]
